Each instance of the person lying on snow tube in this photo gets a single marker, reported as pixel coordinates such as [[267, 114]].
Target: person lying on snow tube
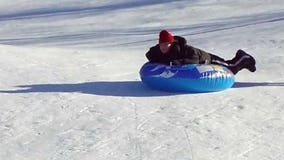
[[175, 50]]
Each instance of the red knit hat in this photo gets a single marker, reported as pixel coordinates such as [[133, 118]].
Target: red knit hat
[[165, 36]]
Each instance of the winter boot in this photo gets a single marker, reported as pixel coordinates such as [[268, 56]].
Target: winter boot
[[248, 62], [240, 61]]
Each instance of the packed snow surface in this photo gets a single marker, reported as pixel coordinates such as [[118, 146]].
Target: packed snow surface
[[70, 86]]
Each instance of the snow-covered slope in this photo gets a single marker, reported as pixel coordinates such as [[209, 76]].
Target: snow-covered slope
[[70, 88]]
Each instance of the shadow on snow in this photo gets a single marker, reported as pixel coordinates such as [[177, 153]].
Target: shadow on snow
[[115, 88], [257, 84], [110, 88]]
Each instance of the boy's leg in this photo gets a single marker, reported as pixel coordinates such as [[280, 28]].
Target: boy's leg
[[220, 61], [240, 61]]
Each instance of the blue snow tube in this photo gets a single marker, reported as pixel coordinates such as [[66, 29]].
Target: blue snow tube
[[187, 78]]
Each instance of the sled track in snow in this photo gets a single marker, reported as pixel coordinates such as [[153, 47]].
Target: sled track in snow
[[122, 36], [77, 11]]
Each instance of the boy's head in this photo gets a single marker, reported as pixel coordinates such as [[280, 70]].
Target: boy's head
[[165, 41]]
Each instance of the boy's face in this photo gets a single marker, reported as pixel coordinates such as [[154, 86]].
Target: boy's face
[[165, 47]]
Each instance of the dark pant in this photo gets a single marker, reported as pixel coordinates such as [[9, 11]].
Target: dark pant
[[218, 60], [230, 64], [240, 61]]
